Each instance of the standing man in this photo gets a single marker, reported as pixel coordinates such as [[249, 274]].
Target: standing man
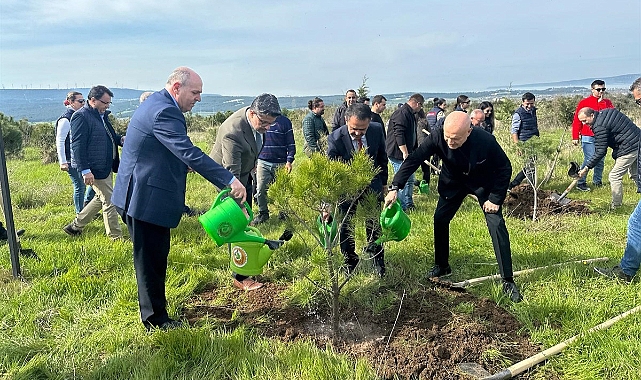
[[401, 142], [238, 143], [629, 265], [339, 115], [378, 106], [94, 153], [278, 150], [356, 135], [314, 127], [612, 129], [524, 127], [473, 163], [597, 102], [150, 187]]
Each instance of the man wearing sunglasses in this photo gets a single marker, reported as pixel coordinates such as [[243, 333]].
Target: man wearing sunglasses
[[629, 265], [94, 153], [238, 143], [582, 132]]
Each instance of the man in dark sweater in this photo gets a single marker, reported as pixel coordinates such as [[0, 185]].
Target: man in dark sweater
[[278, 150], [473, 163], [612, 129], [339, 116], [378, 106], [401, 142]]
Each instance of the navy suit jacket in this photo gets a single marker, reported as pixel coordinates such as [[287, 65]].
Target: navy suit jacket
[[340, 147], [152, 177]]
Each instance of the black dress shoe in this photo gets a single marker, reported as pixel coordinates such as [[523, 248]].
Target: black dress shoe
[[510, 289], [170, 324], [439, 271], [351, 263]]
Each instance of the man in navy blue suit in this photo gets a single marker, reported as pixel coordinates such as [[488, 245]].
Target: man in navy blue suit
[[360, 133], [150, 187]]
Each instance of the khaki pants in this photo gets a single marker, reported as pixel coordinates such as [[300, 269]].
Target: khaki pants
[[104, 188], [622, 165]]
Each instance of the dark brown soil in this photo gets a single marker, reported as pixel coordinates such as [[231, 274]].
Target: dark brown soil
[[520, 203], [436, 329]]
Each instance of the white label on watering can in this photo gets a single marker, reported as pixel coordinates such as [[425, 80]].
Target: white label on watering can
[[239, 256]]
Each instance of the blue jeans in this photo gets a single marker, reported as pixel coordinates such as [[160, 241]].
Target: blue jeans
[[632, 254], [405, 195], [89, 194], [78, 188], [587, 143]]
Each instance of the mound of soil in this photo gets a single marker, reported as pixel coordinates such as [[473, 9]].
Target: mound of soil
[[434, 331], [520, 203]]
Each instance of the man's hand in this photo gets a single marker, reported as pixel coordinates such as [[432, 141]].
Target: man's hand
[[490, 207], [238, 191], [288, 167], [88, 178], [390, 198], [64, 167], [583, 172], [575, 142]]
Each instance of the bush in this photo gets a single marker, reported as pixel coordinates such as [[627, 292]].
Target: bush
[[11, 135], [43, 137]]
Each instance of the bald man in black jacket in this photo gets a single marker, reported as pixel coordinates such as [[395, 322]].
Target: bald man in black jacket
[[473, 163]]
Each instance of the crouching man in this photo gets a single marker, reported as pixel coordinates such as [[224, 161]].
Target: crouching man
[[473, 163]]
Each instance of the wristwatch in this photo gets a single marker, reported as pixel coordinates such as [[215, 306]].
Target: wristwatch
[[392, 188]]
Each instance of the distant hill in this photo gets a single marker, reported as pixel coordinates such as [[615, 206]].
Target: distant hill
[[38, 105], [619, 81]]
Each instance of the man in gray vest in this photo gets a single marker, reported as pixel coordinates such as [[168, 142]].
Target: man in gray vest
[[524, 127]]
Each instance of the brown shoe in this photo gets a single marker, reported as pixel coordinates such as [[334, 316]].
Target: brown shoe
[[248, 284]]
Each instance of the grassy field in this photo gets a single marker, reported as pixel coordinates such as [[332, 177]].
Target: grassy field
[[75, 315]]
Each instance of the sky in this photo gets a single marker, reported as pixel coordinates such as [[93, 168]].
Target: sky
[[316, 48]]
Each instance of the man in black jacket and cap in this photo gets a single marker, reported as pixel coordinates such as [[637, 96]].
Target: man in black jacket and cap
[[472, 163], [612, 129]]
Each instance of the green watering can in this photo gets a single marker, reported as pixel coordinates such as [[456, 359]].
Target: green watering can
[[225, 222], [326, 229], [424, 187], [249, 256], [394, 223]]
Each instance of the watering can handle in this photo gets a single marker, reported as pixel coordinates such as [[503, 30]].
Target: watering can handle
[[221, 196]]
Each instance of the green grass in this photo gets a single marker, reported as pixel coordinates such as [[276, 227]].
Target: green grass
[[76, 314]]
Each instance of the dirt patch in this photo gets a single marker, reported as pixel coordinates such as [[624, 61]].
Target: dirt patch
[[520, 203], [435, 330]]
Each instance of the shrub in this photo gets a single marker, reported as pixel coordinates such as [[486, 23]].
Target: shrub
[[11, 135], [43, 137]]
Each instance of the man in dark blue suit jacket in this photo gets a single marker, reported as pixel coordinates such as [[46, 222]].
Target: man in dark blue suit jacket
[[359, 133], [150, 187]]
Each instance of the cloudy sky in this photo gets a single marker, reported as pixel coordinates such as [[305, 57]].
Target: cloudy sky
[[313, 47]]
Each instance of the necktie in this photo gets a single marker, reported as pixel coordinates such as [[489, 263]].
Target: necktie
[[360, 144]]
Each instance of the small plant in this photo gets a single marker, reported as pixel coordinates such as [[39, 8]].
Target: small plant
[[363, 90], [317, 186]]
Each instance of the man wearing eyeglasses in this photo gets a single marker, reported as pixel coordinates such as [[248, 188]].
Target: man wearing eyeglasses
[[94, 153], [629, 265], [582, 132], [238, 143], [612, 129]]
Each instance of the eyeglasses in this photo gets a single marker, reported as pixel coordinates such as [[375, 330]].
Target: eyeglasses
[[264, 123], [599, 89], [103, 102], [81, 101]]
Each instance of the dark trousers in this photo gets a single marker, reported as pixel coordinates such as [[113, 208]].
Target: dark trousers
[[372, 231], [445, 211], [151, 248]]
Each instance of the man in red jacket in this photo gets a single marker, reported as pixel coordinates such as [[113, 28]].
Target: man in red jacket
[[597, 102]]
